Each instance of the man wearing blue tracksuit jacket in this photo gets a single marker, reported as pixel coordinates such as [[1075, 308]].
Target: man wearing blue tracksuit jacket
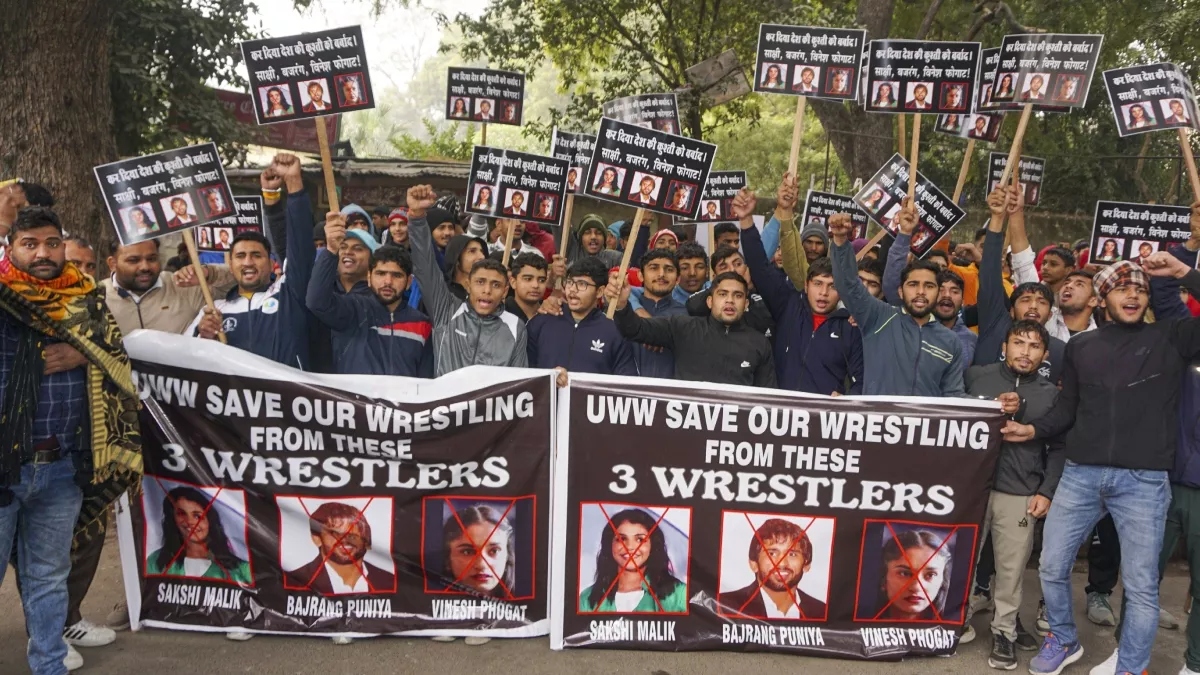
[[817, 349], [582, 339], [267, 315]]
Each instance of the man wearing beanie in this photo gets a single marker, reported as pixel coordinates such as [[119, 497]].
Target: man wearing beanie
[[591, 236], [1121, 383], [815, 240]]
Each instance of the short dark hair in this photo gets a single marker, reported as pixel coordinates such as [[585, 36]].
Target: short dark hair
[[871, 267], [1062, 254], [916, 266], [981, 232], [114, 245], [726, 228], [1035, 287], [938, 253], [659, 254], [625, 230], [591, 268], [819, 267], [723, 253], [256, 237], [1081, 273], [33, 217], [79, 240], [533, 260], [950, 276], [392, 254], [380, 211], [776, 529], [1027, 327], [488, 264], [37, 195], [726, 276], [690, 249]]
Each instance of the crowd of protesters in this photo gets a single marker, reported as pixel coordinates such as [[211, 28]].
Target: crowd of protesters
[[1094, 365]]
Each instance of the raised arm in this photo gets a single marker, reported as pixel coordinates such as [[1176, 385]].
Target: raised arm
[[338, 312], [867, 311], [274, 208], [992, 303], [438, 300], [1184, 333], [897, 259], [301, 252], [655, 332], [795, 263], [774, 288]]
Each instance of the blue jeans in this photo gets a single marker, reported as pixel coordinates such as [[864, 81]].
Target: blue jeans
[[39, 523], [1138, 502]]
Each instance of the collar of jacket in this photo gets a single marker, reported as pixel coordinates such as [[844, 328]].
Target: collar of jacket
[[739, 326]]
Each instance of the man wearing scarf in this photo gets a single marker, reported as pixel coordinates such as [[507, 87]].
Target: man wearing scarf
[[69, 438]]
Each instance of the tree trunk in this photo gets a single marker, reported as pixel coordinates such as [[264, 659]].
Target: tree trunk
[[863, 142], [57, 119]]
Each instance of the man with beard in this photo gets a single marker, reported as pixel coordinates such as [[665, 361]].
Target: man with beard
[[527, 274], [718, 348], [1118, 406], [66, 392], [171, 301], [905, 352], [80, 252], [951, 287], [1032, 300], [817, 349], [181, 217], [342, 536], [263, 314], [658, 298], [780, 554], [591, 236], [1025, 478], [1072, 313], [581, 339], [373, 331]]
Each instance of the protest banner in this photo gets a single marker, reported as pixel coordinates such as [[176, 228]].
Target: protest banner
[[1049, 71], [921, 77], [308, 75], [482, 95], [511, 184], [219, 235], [1030, 178], [297, 136], [818, 206], [577, 149], [716, 202], [1151, 98], [762, 519], [1127, 231], [972, 126], [336, 504], [651, 111], [881, 196]]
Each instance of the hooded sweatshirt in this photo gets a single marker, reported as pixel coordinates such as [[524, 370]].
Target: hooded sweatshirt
[[355, 208], [454, 251], [814, 230], [1164, 298], [436, 216]]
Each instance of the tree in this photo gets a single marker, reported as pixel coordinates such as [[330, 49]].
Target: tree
[[443, 144]]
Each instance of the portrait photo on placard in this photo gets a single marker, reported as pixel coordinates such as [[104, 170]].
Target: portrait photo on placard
[[1138, 116], [350, 90], [1068, 89], [222, 238], [479, 546], [1109, 250], [884, 95], [276, 101], [482, 199], [314, 96], [634, 558], [772, 76], [837, 81], [516, 202], [645, 189], [195, 531], [179, 209], [912, 572], [139, 220], [775, 566], [680, 196], [667, 126], [918, 96], [889, 218], [460, 109], [875, 199], [920, 236], [215, 201], [336, 546], [510, 112], [1005, 87], [951, 123], [485, 110], [806, 79], [573, 175], [1141, 249], [979, 126], [544, 205], [954, 95], [1174, 112], [203, 237], [710, 209], [608, 179], [1032, 193], [1033, 87]]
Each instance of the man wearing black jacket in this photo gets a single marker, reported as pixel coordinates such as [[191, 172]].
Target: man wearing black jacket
[[718, 348], [1121, 383], [728, 259], [581, 339], [1025, 479]]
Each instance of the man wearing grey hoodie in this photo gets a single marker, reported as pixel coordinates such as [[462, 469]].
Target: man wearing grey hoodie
[[815, 240]]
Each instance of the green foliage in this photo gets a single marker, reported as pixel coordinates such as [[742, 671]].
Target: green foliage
[[442, 144]]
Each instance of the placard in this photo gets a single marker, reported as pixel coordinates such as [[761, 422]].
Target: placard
[[577, 149], [482, 95], [881, 197], [219, 235], [308, 75], [1049, 70], [336, 504], [980, 126], [1032, 173], [155, 195], [298, 136], [911, 76], [1150, 98], [651, 111], [716, 202], [1127, 231], [511, 184], [809, 61], [764, 520], [818, 206]]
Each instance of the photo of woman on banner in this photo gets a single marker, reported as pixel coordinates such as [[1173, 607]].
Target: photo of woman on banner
[[508, 112], [951, 124], [839, 82], [545, 206], [336, 546], [196, 532], [773, 76], [953, 97], [458, 109], [914, 572], [640, 563], [884, 95], [203, 237], [1174, 113], [608, 180], [1004, 88], [139, 221], [1137, 116], [775, 566], [1068, 89], [680, 196], [874, 199], [481, 546], [275, 101], [1110, 250], [805, 80], [483, 198]]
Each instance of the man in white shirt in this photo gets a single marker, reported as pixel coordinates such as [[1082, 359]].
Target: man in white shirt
[[343, 536], [646, 192], [780, 554]]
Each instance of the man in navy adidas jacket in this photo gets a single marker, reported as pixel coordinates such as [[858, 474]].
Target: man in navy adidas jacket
[[817, 349], [375, 332], [582, 339], [266, 315]]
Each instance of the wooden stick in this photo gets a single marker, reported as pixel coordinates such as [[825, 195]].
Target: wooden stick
[[189, 240], [633, 235], [566, 226], [912, 161], [902, 134], [508, 238], [483, 134], [871, 244], [1185, 146], [1014, 153], [964, 170], [797, 133], [712, 241], [327, 164]]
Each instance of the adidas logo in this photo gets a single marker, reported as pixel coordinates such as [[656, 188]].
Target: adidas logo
[[745, 364], [598, 346]]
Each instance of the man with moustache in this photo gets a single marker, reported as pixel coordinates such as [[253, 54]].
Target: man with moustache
[[780, 554], [141, 295], [1072, 312], [342, 536], [658, 298]]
